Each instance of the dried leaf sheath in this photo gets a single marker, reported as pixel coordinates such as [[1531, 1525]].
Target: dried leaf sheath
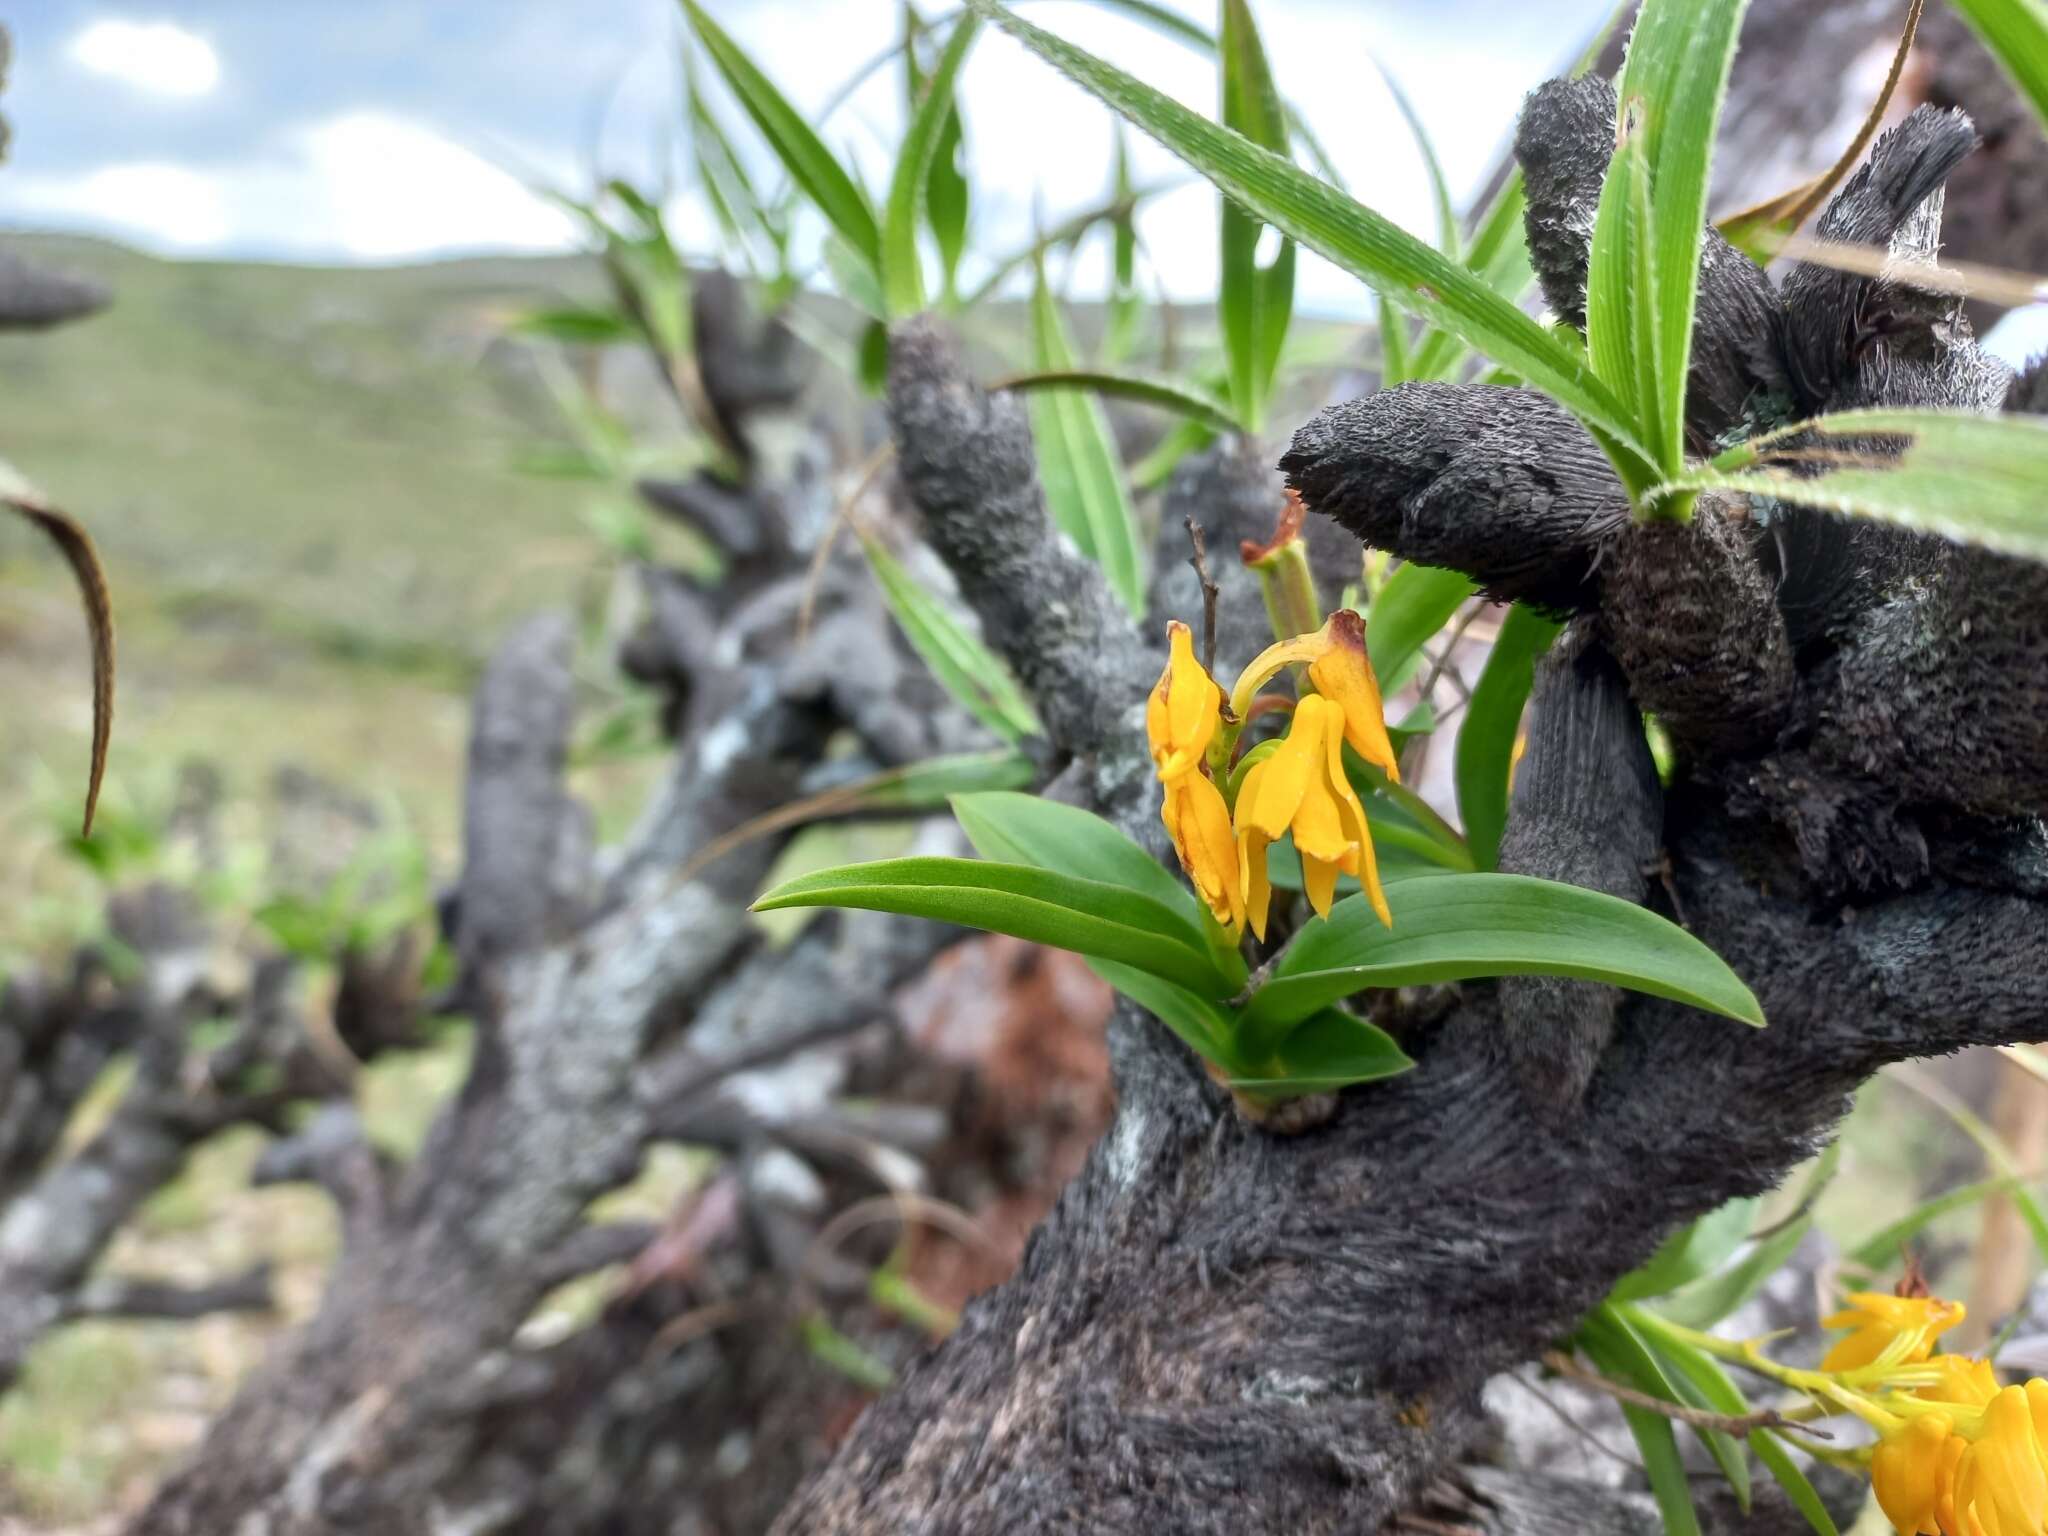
[[70, 537]]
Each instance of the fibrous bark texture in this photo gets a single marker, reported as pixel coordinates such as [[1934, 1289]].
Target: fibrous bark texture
[[1222, 1330]]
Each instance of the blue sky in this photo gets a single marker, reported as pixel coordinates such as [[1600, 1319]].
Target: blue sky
[[380, 130]]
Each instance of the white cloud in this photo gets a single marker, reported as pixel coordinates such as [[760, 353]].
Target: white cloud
[[361, 186], [153, 56], [158, 202], [393, 188]]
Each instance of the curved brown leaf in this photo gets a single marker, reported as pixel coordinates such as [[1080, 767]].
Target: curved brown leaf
[[70, 537]]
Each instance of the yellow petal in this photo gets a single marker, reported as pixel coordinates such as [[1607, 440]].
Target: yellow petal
[[1199, 823], [1369, 877], [1322, 827], [1362, 861], [1184, 709], [1905, 1472], [1287, 773], [1256, 884], [2013, 1482], [1267, 664], [1343, 674], [1945, 1478], [1158, 732], [1193, 700], [1319, 879], [1877, 1319]]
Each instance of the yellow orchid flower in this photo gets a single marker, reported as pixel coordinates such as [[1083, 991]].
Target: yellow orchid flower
[[1339, 669], [1181, 718], [1876, 1319], [1184, 709], [1906, 1472], [1198, 821], [2001, 1482], [1302, 789]]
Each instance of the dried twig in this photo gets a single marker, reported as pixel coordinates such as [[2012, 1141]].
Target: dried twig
[[1699, 1418], [1792, 209], [1200, 561]]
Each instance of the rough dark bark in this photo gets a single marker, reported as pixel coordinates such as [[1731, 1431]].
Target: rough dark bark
[[1220, 1330]]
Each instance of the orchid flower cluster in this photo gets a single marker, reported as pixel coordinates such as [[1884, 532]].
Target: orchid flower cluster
[[1956, 1453], [1223, 811]]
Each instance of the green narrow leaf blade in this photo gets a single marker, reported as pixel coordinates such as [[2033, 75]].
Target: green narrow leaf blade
[[1251, 106], [2016, 32], [1707, 1300], [1346, 233], [1693, 1250], [1416, 602], [1040, 906], [1493, 721], [1880, 1250], [1701, 1383], [1497, 925], [1678, 61], [1613, 1346], [1077, 461], [1174, 395], [803, 154], [1498, 255], [1770, 1450], [902, 270], [1974, 479], [965, 667], [1395, 365]]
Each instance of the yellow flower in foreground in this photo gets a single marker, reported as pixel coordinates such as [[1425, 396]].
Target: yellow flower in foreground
[[1181, 718], [1302, 788], [1341, 671], [1906, 1472], [2001, 1481], [1964, 1456], [1875, 1320]]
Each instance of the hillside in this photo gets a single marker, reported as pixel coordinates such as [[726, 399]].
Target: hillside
[[302, 481]]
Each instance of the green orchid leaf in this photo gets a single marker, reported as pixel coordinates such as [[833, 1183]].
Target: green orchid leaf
[[1416, 602], [1974, 479], [1352, 236], [1492, 724], [1183, 399], [1621, 1355], [1696, 1249], [1707, 1300], [1027, 829], [964, 666], [1329, 1050], [902, 265], [1497, 925], [803, 154], [2016, 32], [1078, 463], [1089, 917]]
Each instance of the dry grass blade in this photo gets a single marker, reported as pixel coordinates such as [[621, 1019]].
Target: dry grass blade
[[1963, 279], [76, 545], [1793, 208]]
